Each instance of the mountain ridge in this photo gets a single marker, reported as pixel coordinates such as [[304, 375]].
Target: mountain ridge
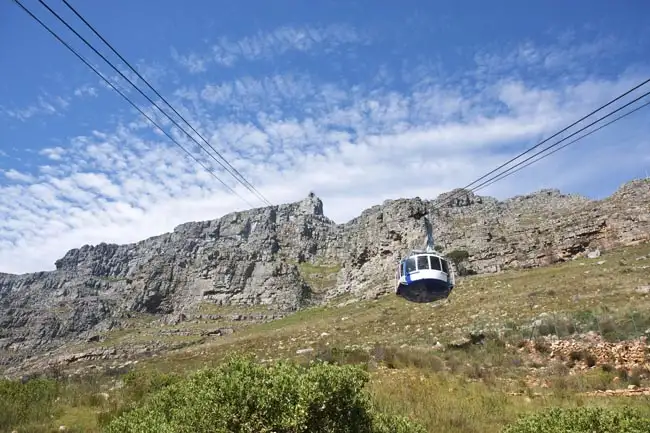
[[440, 198]]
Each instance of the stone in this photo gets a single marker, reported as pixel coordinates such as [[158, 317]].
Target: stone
[[643, 290], [593, 254], [94, 338], [595, 351], [174, 319], [472, 338]]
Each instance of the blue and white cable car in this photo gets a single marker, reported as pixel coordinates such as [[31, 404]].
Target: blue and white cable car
[[424, 275]]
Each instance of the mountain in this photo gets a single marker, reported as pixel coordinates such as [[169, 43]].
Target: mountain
[[292, 256]]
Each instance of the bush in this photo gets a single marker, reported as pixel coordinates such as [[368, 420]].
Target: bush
[[244, 396], [21, 403], [459, 257], [582, 420], [138, 384]]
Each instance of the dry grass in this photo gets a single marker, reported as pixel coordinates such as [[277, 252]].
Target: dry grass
[[454, 404], [405, 345], [589, 294]]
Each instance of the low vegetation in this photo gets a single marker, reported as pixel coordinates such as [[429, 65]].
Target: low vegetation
[[583, 420], [318, 276], [28, 404], [515, 352], [244, 396]]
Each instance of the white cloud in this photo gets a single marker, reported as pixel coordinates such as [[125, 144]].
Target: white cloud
[[46, 105], [289, 134], [17, 176], [54, 153], [193, 62], [85, 90], [265, 45], [566, 55]]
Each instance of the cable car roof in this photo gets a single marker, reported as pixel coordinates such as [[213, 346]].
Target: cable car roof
[[415, 253]]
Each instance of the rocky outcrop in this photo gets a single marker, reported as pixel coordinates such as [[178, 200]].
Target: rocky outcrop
[[590, 350], [291, 256]]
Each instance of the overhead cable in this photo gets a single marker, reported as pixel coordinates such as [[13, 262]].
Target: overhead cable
[[127, 98], [460, 191], [506, 174], [252, 188], [150, 100]]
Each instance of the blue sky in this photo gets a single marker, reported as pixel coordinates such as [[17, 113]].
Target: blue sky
[[359, 101]]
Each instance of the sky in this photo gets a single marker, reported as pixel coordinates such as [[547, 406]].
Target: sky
[[356, 101]]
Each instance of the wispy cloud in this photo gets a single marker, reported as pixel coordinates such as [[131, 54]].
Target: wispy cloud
[[193, 62], [291, 133], [45, 105], [567, 58], [85, 90], [266, 45]]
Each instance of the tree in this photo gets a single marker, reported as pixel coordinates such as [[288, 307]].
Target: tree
[[458, 257]]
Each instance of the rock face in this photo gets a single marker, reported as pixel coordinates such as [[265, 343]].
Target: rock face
[[291, 256]]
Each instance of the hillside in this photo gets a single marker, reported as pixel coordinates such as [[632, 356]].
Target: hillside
[[263, 264], [572, 334]]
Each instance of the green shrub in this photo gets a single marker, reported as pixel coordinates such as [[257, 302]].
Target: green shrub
[[582, 420], [21, 403], [244, 396], [139, 383]]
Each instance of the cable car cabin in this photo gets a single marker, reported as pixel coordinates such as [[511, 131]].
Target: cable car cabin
[[424, 277]]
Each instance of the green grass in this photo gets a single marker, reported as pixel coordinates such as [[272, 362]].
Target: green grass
[[480, 388], [320, 277]]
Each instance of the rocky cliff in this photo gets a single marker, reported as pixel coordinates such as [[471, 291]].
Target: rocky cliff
[[291, 256]]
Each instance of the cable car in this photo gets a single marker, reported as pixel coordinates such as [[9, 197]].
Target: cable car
[[424, 275]]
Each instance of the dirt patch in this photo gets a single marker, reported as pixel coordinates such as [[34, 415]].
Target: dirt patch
[[632, 391]]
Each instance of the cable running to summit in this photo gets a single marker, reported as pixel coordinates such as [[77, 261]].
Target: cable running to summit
[[227, 167]]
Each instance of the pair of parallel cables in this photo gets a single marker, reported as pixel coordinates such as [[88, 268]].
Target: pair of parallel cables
[[510, 171], [227, 166]]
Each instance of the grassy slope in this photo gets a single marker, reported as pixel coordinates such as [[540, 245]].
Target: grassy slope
[[449, 390]]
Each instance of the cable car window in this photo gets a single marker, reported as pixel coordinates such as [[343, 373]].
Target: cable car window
[[423, 263], [445, 266], [410, 264], [435, 263]]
